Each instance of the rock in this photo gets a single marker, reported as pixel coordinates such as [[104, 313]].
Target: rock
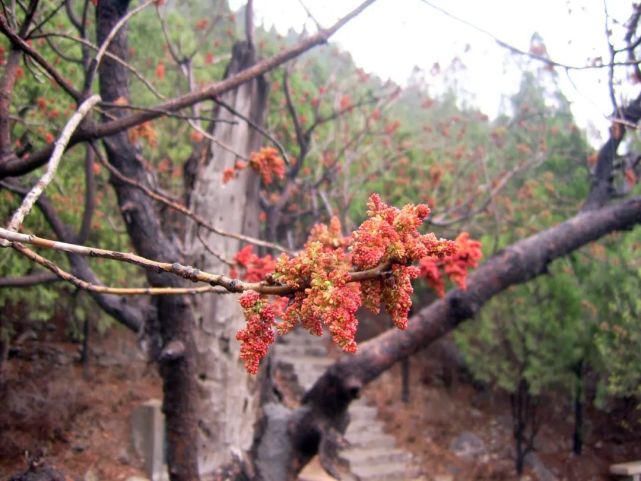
[[123, 456], [443, 477], [79, 447], [468, 445], [540, 470], [90, 475]]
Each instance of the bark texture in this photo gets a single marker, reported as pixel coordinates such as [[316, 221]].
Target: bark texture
[[174, 320], [228, 396]]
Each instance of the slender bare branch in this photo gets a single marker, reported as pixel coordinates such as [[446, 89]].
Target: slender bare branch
[[61, 145], [18, 166], [116, 58], [532, 55], [118, 291], [256, 127], [95, 63], [186, 272]]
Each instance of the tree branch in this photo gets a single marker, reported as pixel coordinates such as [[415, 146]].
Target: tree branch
[[20, 44], [16, 166], [516, 264], [60, 146], [186, 272]]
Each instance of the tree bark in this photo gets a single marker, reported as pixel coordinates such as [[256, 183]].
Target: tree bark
[[174, 314], [577, 438], [228, 395]]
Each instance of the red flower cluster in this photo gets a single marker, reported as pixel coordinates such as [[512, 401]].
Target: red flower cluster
[[232, 172], [268, 163], [327, 296], [254, 268], [466, 256], [391, 236], [258, 335], [324, 293]]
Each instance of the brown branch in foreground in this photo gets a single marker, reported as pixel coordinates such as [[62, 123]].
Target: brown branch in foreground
[[16, 166], [118, 291], [186, 272]]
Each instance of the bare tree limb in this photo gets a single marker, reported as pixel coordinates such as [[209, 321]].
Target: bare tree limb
[[16, 166], [186, 272], [118, 291], [60, 146], [518, 263], [95, 63]]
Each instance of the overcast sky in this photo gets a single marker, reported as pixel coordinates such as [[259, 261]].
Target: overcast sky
[[392, 37]]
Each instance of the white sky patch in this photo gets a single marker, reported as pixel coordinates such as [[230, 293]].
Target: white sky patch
[[393, 37]]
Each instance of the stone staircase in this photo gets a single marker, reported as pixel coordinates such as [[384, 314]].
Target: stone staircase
[[372, 455]]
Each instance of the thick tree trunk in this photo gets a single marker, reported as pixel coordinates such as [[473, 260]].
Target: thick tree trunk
[[228, 395], [519, 401], [174, 319], [577, 438]]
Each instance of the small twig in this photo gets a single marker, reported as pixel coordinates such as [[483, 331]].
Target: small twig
[[256, 127], [56, 156], [612, 51], [218, 256], [219, 143], [110, 55], [309, 15], [118, 291], [28, 280], [512, 48], [48, 17], [112, 34]]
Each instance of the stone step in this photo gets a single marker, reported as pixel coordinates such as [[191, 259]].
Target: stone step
[[362, 412], [373, 429], [372, 454], [362, 423], [357, 456], [292, 350], [367, 440], [382, 471]]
